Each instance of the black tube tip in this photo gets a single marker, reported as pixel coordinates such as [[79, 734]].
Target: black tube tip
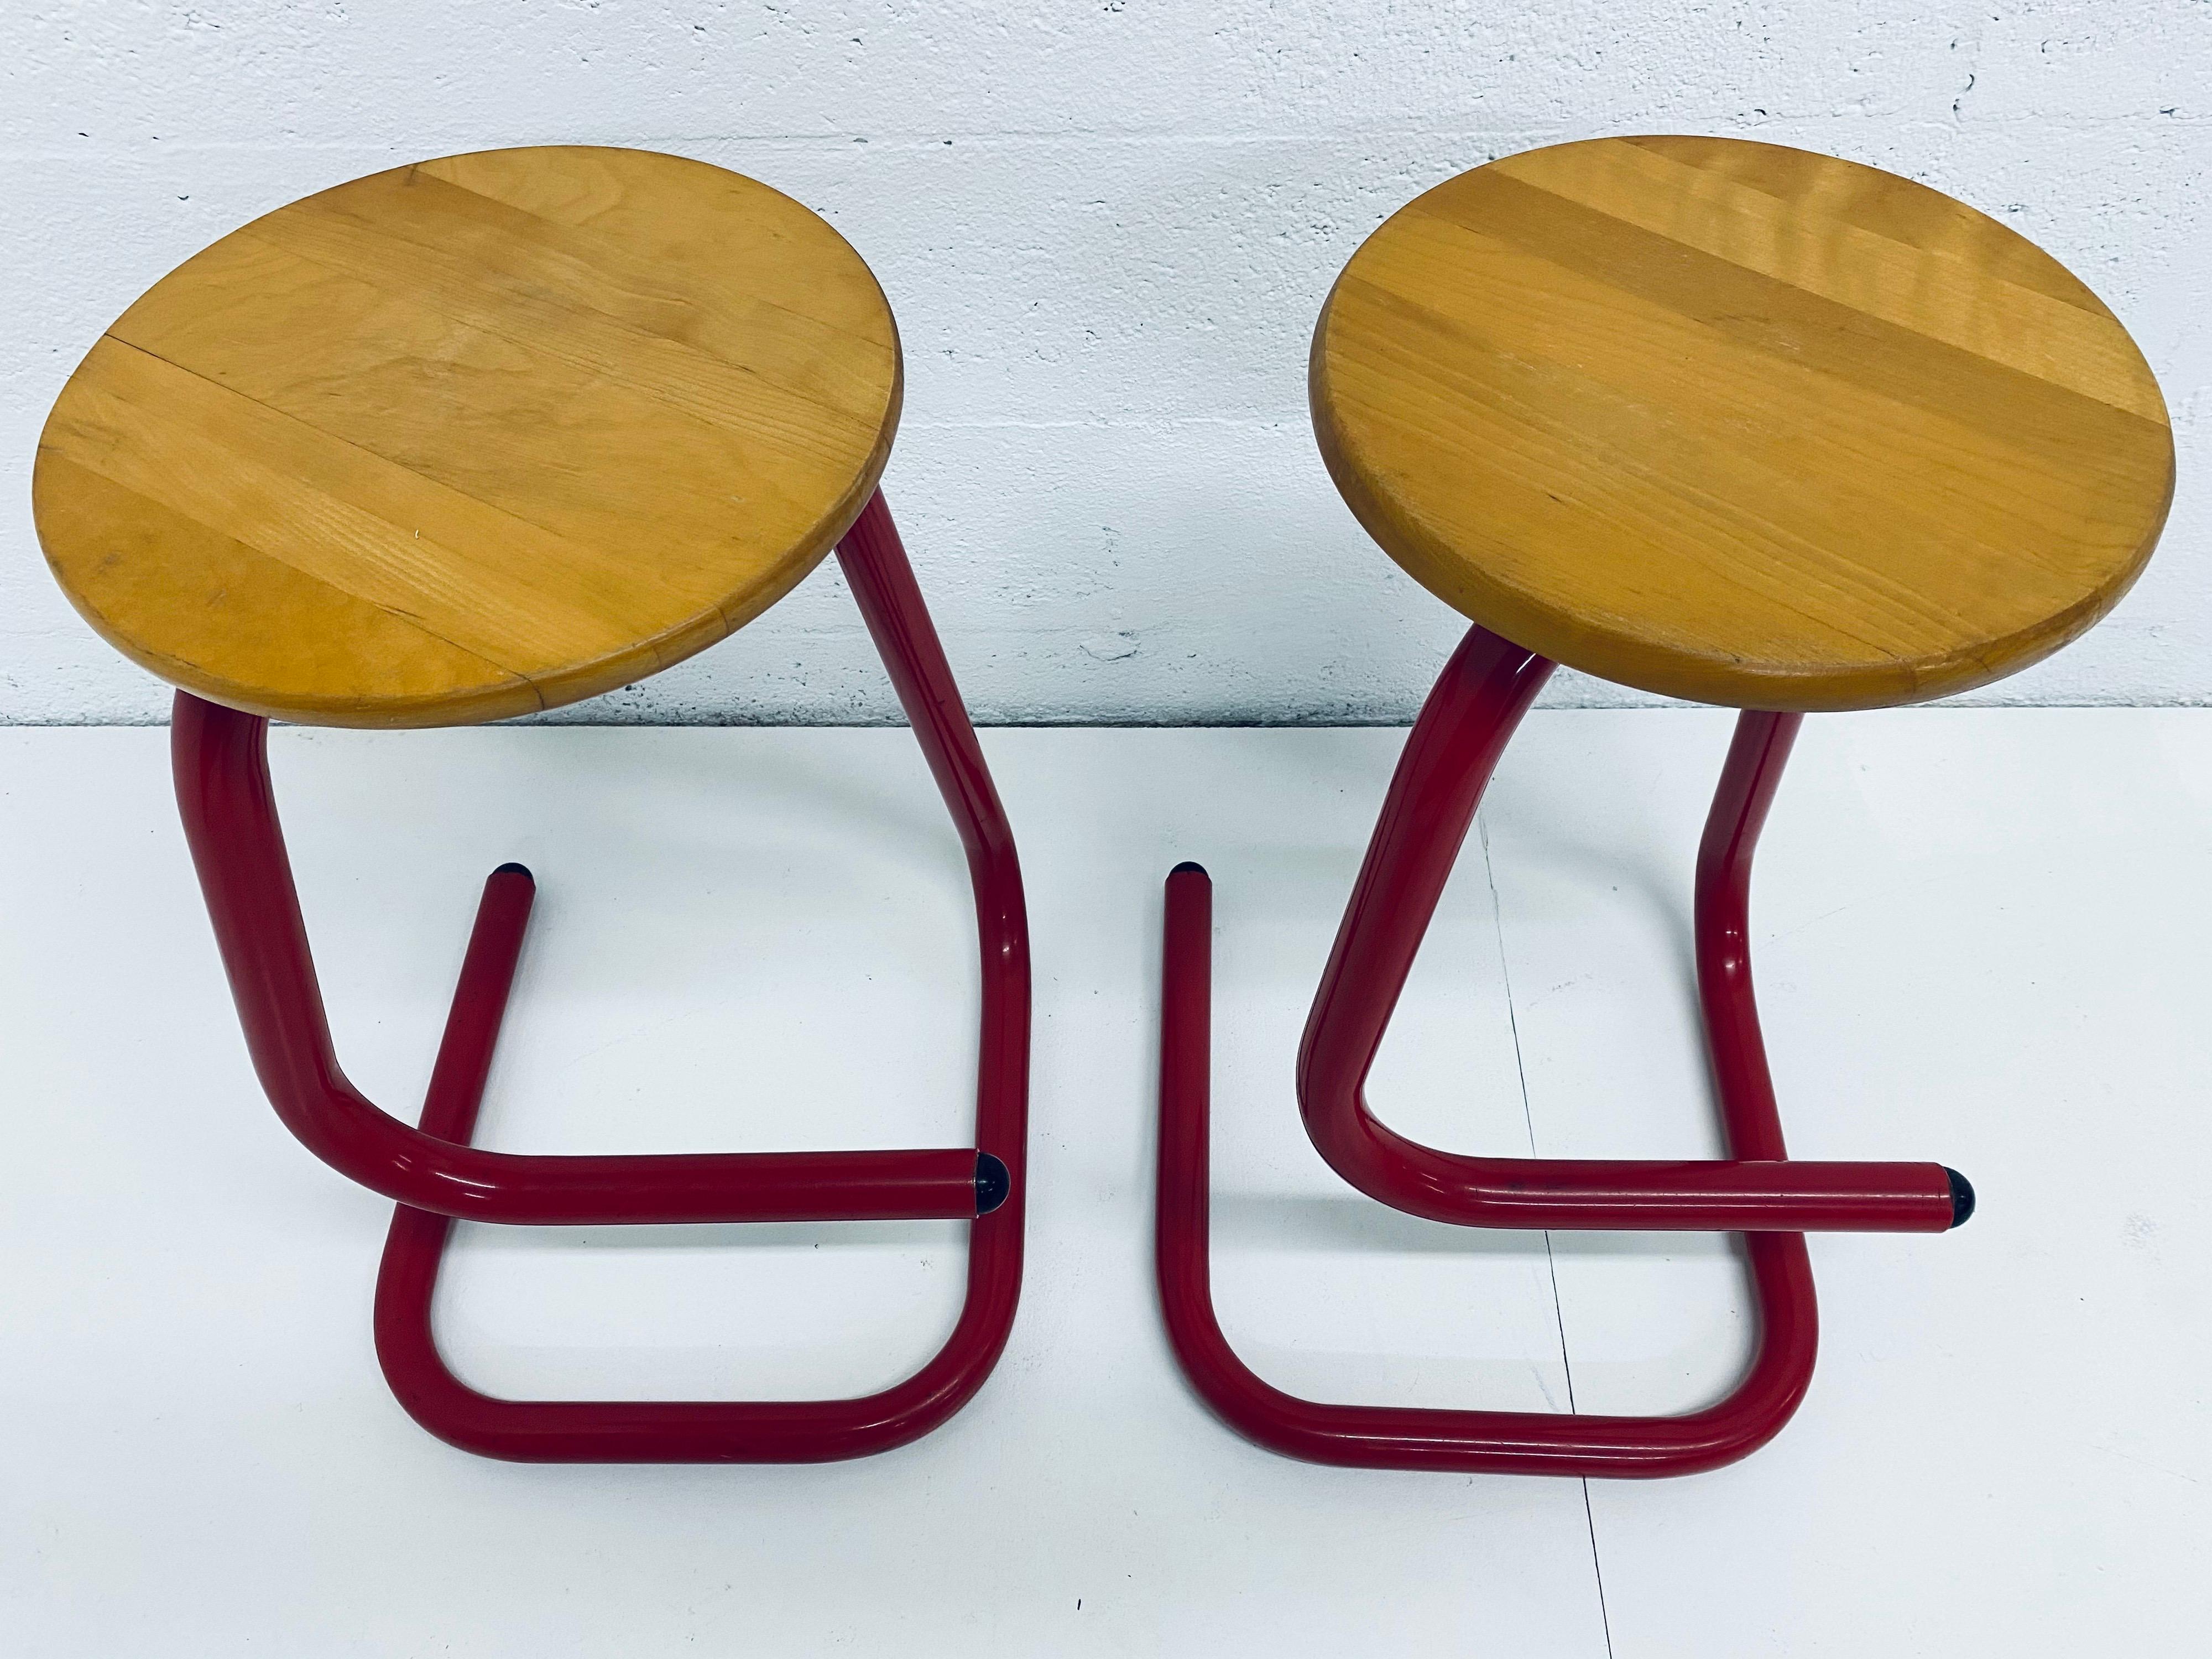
[[1191, 865], [994, 1182], [1962, 1197], [511, 868]]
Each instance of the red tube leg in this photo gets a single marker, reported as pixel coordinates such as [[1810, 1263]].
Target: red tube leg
[[1758, 1189], [1463, 729], [229, 814], [758, 1432]]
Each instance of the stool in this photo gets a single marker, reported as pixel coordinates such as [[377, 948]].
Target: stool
[[476, 437], [1718, 420]]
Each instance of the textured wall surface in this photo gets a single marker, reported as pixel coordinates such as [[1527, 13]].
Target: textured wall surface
[[1106, 228]]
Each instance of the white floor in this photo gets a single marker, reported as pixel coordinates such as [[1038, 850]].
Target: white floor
[[1983, 940]]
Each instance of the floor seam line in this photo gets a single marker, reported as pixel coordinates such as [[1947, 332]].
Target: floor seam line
[[1551, 1263], [1597, 1568], [1521, 1070]]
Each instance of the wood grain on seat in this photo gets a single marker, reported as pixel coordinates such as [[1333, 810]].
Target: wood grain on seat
[[471, 438], [1739, 424]]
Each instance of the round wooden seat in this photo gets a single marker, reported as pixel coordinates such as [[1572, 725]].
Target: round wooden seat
[[471, 438], [1739, 424]]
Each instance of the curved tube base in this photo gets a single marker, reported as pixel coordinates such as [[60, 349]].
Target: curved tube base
[[625, 1430], [1406, 1437]]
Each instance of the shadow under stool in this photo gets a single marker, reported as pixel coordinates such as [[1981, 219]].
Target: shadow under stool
[[1724, 421], [470, 439]]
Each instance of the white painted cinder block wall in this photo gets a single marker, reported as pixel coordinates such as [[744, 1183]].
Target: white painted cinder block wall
[[1105, 225]]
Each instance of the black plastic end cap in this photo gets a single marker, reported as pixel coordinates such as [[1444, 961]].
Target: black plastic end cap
[[1962, 1197], [511, 868], [1190, 864], [995, 1182]]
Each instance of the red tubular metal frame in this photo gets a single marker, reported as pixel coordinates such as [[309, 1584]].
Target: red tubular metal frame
[[229, 814], [1758, 1190]]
